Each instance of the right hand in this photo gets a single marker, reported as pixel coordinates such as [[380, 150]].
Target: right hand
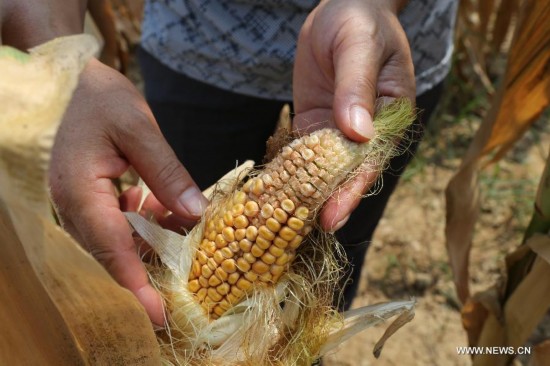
[[108, 127]]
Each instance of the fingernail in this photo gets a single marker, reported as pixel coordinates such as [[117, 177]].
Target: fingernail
[[340, 224], [361, 122], [193, 201]]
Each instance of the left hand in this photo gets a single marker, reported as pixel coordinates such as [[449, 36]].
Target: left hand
[[349, 54]]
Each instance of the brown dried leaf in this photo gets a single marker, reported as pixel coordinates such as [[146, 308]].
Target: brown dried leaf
[[507, 10], [541, 354]]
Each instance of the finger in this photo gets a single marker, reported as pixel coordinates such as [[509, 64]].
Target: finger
[[107, 235], [130, 199], [340, 205], [170, 221], [151, 156]]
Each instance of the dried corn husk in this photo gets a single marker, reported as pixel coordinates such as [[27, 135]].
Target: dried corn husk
[[59, 306]]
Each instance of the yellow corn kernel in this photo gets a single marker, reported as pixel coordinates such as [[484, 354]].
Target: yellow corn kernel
[[280, 243], [213, 294], [228, 234], [194, 286], [237, 210], [218, 257], [221, 273], [203, 282], [251, 276], [218, 310], [220, 241], [295, 223], [263, 243], [302, 213], [251, 209], [228, 219], [229, 265], [273, 225], [276, 251], [257, 187], [249, 257], [243, 265], [206, 271], [295, 243], [260, 267], [280, 215], [233, 277], [226, 252], [240, 222], [201, 294], [265, 233], [223, 289], [237, 291], [214, 281], [243, 284], [256, 251], [268, 258], [251, 233], [239, 198], [267, 211], [287, 233]]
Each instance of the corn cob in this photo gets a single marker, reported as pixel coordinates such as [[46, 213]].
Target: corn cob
[[253, 238], [248, 240]]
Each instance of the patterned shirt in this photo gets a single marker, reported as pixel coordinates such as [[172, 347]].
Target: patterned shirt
[[248, 46]]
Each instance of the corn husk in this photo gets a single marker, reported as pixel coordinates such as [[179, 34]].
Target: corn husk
[[59, 306]]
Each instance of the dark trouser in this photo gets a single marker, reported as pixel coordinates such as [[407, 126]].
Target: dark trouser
[[211, 129]]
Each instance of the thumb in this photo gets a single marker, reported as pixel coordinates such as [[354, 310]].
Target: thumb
[[357, 63], [154, 160], [369, 62]]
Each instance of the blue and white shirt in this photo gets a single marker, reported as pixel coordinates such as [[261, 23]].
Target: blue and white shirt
[[248, 46]]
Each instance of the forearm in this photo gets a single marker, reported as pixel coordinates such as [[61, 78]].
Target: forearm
[[27, 23]]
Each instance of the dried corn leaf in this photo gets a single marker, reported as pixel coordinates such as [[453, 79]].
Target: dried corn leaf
[[541, 354], [523, 309], [475, 312], [61, 306], [520, 100], [526, 81], [485, 10], [506, 12]]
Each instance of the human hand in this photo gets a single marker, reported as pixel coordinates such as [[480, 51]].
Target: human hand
[[349, 54], [108, 127]]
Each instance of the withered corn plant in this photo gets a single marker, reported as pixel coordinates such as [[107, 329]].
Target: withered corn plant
[[253, 282], [506, 314]]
